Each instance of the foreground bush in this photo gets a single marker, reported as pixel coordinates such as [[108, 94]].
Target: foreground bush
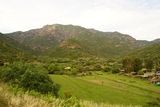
[[29, 77], [38, 81], [12, 73]]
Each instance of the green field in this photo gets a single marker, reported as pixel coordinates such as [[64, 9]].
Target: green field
[[109, 88]]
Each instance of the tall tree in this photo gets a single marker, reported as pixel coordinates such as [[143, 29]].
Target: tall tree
[[149, 64], [137, 64], [127, 64]]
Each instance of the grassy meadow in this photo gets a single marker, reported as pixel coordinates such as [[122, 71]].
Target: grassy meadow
[[108, 88], [17, 98]]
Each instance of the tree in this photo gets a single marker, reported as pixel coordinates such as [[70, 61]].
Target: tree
[[149, 64], [29, 77], [127, 64], [137, 64], [52, 68], [39, 81]]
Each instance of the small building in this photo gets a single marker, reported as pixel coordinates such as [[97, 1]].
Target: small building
[[158, 83], [155, 80], [158, 73], [148, 75], [67, 68]]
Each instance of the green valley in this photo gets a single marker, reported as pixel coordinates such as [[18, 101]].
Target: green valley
[[72, 66], [110, 88]]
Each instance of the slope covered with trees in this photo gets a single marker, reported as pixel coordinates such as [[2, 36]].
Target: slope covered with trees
[[151, 51], [68, 40], [10, 49]]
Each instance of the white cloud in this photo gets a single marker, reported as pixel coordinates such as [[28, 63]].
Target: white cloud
[[140, 18]]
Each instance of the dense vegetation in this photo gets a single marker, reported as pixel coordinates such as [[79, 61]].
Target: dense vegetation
[[150, 52], [140, 66], [75, 41], [28, 77], [11, 50]]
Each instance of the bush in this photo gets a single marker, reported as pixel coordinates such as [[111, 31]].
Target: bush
[[52, 68], [142, 71], [39, 81], [107, 69], [29, 77], [97, 68], [74, 71], [115, 70], [13, 72]]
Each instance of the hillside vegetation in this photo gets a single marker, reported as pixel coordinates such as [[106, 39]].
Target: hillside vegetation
[[151, 51], [63, 40], [11, 49]]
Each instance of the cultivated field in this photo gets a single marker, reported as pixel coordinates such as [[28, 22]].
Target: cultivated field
[[108, 88]]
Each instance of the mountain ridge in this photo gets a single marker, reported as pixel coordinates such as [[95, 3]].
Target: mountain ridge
[[57, 40]]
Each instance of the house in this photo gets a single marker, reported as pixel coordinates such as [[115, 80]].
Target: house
[[148, 75], [155, 80], [158, 73], [67, 68]]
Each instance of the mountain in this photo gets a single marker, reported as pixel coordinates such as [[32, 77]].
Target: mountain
[[156, 41], [75, 41], [10, 49], [151, 51]]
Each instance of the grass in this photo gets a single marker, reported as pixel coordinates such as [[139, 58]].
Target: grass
[[110, 88], [10, 98]]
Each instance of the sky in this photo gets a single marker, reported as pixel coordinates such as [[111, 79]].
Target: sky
[[138, 18]]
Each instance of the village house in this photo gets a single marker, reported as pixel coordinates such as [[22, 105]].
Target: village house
[[158, 73], [156, 78]]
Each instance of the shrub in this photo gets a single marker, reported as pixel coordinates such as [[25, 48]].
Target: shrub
[[97, 68], [38, 81], [141, 72], [115, 70], [29, 77], [13, 72], [52, 68], [107, 69], [74, 71]]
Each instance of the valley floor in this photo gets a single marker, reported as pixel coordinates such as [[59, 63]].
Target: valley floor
[[110, 88], [11, 98], [98, 90]]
